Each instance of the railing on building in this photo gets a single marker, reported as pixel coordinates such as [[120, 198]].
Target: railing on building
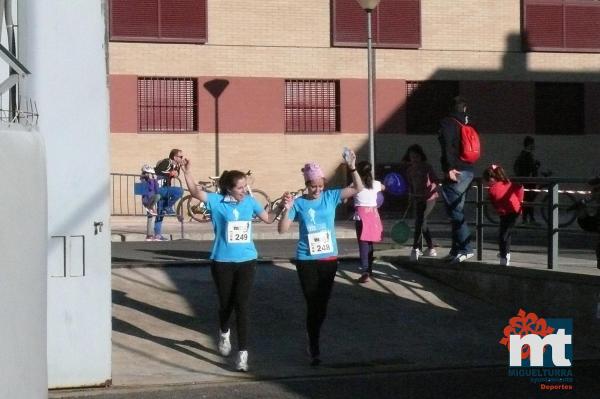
[[13, 109]]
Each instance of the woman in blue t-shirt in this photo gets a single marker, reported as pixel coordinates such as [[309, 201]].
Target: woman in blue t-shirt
[[316, 252], [233, 252]]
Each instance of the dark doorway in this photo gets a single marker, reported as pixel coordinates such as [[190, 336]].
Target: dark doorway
[[559, 108]]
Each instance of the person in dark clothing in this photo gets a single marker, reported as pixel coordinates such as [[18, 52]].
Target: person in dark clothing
[[167, 169], [458, 176], [527, 166]]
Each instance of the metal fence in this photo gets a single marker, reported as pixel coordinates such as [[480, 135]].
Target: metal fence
[[551, 205], [124, 200], [126, 203]]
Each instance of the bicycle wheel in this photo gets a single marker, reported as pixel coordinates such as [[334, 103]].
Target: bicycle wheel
[[192, 208], [566, 213], [274, 205], [263, 200], [490, 213], [181, 209]]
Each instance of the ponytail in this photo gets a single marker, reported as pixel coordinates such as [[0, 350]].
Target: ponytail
[[364, 169], [496, 172]]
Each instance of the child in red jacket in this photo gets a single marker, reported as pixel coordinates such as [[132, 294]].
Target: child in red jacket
[[507, 199]]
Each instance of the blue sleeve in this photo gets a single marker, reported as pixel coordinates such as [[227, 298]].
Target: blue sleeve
[[256, 207], [336, 196], [212, 199], [292, 212]]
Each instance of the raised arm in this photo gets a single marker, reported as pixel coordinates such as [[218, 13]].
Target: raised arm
[[271, 216], [284, 220], [356, 180], [191, 182]]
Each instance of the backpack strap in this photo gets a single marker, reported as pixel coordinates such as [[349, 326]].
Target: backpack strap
[[457, 121]]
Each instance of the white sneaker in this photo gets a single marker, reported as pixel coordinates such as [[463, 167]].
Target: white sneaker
[[224, 343], [461, 257], [414, 254], [430, 252], [505, 261], [241, 363]]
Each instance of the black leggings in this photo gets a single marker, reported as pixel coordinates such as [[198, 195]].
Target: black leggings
[[421, 226], [316, 279], [507, 222], [365, 250], [234, 282]]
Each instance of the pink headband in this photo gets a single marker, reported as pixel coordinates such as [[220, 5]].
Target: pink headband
[[312, 171]]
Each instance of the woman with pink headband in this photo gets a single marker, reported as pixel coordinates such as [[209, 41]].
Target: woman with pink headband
[[316, 252]]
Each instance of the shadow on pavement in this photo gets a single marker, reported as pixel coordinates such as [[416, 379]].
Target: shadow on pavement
[[165, 323]]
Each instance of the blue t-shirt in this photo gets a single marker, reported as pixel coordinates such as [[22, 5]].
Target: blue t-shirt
[[317, 225], [232, 225]]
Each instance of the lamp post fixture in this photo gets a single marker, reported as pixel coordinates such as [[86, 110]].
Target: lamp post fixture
[[369, 6]]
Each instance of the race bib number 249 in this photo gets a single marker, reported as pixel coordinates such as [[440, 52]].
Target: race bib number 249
[[238, 232]]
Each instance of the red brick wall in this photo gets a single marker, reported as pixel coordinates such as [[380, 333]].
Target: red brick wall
[[123, 103], [353, 106], [246, 105], [390, 100]]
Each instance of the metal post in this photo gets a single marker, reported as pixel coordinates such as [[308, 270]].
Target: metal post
[[370, 92], [553, 225], [479, 220]]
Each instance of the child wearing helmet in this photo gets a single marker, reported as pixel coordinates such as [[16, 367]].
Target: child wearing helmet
[[150, 198]]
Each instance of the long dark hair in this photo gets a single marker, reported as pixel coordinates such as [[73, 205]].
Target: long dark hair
[[229, 179], [495, 172], [364, 169], [417, 149]]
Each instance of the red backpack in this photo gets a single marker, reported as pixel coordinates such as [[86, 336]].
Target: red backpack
[[470, 149]]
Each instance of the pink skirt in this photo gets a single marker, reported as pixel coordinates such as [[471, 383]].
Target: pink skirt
[[372, 229]]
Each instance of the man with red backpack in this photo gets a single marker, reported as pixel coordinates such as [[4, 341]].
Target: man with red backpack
[[460, 147]]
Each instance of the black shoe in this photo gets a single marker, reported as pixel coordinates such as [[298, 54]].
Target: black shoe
[[315, 361]]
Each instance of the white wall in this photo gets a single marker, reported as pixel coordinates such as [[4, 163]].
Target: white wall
[[62, 43], [23, 264]]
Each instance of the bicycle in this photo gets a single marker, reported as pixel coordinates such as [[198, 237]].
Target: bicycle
[[197, 210]]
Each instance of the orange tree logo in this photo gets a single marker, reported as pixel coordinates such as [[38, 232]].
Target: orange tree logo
[[524, 324]]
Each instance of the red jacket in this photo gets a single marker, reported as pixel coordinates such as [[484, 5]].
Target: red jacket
[[506, 197]]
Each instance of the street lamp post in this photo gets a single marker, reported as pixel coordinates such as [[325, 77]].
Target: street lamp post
[[369, 6]]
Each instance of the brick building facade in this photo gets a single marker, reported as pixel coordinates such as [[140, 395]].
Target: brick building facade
[[269, 85]]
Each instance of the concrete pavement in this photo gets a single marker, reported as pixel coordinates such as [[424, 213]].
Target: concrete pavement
[[408, 319]]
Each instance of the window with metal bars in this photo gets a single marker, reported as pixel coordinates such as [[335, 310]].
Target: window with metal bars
[[561, 25], [170, 21], [167, 104], [427, 102], [312, 106], [395, 24]]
